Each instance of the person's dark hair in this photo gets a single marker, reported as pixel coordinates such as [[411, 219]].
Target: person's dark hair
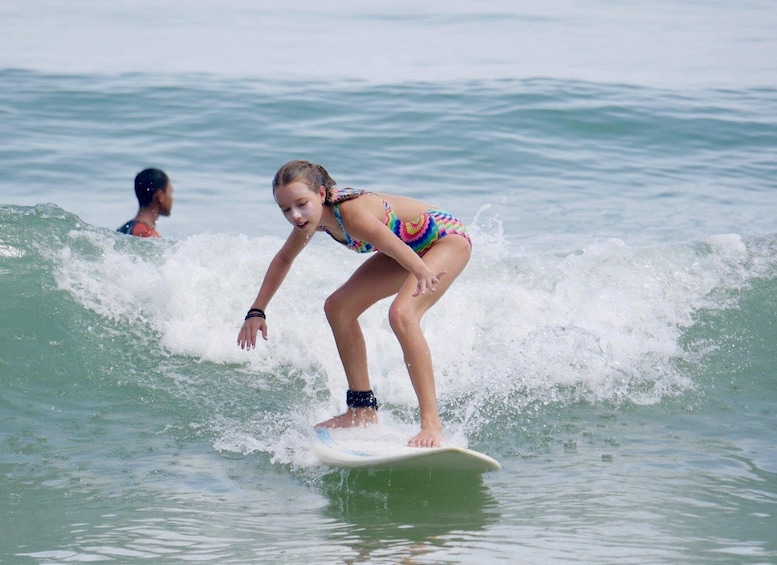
[[306, 172], [147, 182]]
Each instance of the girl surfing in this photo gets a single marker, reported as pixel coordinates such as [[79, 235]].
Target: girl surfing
[[419, 250]]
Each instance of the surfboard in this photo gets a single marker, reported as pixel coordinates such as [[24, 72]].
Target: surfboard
[[374, 448]]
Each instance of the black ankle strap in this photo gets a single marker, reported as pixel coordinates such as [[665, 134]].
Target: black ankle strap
[[361, 399]]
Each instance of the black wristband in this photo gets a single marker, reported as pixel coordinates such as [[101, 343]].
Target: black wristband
[[256, 313]]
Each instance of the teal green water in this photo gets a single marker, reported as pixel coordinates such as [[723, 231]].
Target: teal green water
[[611, 342], [556, 164], [122, 441]]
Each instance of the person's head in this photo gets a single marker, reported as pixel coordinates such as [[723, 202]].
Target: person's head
[[312, 175], [302, 189], [153, 185]]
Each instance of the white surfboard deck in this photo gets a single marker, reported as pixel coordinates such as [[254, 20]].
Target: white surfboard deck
[[375, 447]]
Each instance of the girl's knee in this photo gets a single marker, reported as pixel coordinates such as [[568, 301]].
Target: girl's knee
[[402, 318], [333, 306], [339, 308]]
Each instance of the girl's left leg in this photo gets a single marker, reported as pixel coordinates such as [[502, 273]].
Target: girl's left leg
[[450, 255]]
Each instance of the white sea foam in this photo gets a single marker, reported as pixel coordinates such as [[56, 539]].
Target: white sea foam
[[607, 320]]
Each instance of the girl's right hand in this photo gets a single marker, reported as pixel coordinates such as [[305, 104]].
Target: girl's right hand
[[246, 338], [428, 281]]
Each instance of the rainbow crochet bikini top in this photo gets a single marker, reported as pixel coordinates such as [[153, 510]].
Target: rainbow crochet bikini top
[[420, 234]]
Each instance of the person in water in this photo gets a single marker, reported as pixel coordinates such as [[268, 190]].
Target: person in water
[[420, 250], [155, 198]]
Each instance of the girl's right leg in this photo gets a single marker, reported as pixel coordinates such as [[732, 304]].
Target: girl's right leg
[[377, 278]]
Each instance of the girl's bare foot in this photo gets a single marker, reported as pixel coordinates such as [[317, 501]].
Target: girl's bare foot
[[428, 437], [352, 418]]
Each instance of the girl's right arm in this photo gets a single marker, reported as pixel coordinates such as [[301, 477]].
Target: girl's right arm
[[276, 273]]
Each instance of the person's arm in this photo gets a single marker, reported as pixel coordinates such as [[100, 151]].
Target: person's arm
[[273, 278], [362, 224]]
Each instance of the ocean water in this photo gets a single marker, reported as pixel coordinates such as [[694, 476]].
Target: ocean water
[[612, 342]]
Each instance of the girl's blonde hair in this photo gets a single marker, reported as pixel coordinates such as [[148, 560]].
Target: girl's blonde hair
[[306, 172]]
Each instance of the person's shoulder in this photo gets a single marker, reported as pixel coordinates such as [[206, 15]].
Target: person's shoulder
[[144, 230]]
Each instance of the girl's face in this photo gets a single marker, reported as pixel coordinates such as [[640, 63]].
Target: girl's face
[[301, 206]]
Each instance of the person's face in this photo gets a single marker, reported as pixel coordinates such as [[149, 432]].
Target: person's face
[[166, 200], [301, 206]]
